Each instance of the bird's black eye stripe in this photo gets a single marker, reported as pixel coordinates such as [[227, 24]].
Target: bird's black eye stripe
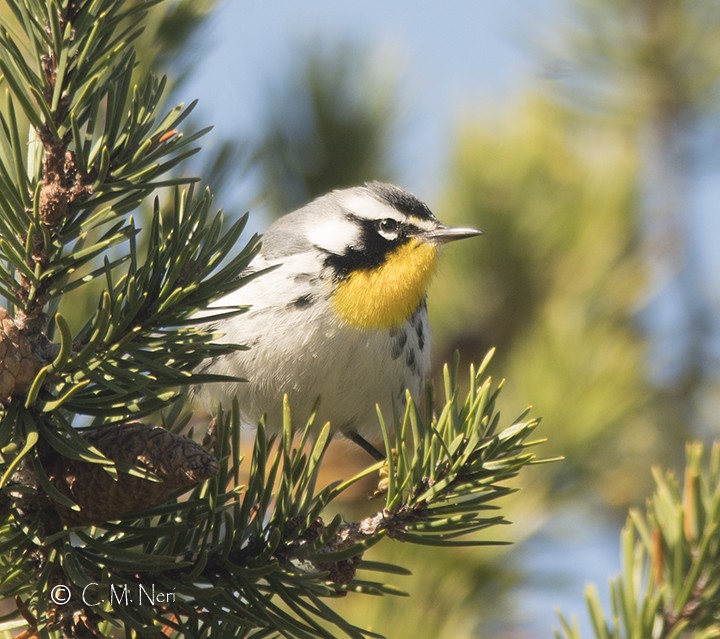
[[377, 238]]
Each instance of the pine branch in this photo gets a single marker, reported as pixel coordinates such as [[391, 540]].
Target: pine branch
[[98, 147], [669, 585], [103, 146], [261, 557]]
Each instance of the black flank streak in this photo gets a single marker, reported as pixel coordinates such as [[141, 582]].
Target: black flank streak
[[403, 338], [420, 335], [410, 358], [398, 342], [304, 301], [305, 278], [206, 365]]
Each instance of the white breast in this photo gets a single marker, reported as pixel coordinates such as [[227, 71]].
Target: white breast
[[299, 347]]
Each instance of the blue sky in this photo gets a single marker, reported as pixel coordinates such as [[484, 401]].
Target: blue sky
[[450, 58]]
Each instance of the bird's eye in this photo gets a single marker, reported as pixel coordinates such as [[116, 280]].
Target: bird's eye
[[388, 227]]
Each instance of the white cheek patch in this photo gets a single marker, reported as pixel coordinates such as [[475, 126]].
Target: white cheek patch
[[333, 234]]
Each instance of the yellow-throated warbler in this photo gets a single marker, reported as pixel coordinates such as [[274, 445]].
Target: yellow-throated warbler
[[342, 318]]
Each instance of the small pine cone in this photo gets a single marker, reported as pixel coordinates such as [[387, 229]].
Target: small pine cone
[[342, 572], [18, 364], [176, 460], [54, 202]]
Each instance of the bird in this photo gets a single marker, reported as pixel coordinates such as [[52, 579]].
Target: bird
[[336, 313]]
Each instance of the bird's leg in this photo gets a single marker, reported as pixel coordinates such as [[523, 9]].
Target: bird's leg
[[358, 439]]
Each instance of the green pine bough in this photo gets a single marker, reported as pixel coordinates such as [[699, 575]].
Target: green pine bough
[[241, 561], [669, 587]]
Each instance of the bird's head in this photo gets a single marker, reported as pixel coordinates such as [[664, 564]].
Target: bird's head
[[380, 246]]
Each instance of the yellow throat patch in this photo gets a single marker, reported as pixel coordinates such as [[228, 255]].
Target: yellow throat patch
[[385, 296]]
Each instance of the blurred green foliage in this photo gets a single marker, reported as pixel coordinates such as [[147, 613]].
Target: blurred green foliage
[[554, 284], [229, 551], [638, 60], [654, 66]]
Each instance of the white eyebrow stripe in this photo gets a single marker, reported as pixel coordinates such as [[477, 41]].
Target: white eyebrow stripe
[[369, 207], [422, 223]]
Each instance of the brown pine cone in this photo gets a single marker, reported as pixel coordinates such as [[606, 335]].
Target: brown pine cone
[[18, 364], [176, 460]]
